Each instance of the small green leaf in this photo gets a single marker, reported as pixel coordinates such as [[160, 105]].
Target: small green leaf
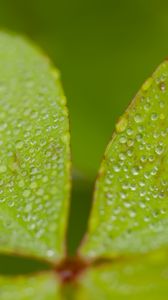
[[34, 152], [145, 278], [130, 211], [40, 287]]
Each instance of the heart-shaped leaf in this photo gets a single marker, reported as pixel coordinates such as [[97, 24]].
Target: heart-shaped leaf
[[34, 152], [130, 211], [141, 278], [40, 287]]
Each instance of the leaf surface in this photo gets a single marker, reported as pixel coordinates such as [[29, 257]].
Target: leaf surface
[[130, 211], [40, 287], [34, 152], [145, 278]]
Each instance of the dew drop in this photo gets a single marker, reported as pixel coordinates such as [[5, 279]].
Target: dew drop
[[50, 253], [159, 149], [135, 170], [121, 124], [26, 193], [154, 116], [162, 86], [138, 118]]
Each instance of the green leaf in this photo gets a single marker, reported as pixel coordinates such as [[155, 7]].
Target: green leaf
[[145, 278], [130, 211], [40, 287], [34, 152]]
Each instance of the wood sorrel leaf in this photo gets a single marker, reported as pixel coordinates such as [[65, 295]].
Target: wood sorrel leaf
[[143, 278], [39, 287], [130, 211], [34, 152]]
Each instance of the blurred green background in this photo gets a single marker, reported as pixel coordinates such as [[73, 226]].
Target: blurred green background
[[104, 49]]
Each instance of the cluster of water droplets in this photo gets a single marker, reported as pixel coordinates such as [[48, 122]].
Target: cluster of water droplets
[[34, 150], [132, 190]]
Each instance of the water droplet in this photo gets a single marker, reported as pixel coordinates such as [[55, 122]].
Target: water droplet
[[159, 149], [138, 118], [116, 168], [26, 193], [162, 86], [121, 124], [122, 156], [50, 253], [154, 116], [135, 170], [123, 139]]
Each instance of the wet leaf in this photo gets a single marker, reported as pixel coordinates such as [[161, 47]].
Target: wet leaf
[[130, 211], [34, 152], [40, 287], [144, 278]]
